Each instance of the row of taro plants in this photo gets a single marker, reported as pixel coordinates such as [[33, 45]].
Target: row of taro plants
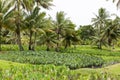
[[49, 72], [73, 61], [109, 57]]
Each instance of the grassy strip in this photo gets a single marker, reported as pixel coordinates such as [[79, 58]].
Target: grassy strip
[[16, 71]]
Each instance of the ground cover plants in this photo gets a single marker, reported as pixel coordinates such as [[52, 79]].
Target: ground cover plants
[[16, 71], [73, 61]]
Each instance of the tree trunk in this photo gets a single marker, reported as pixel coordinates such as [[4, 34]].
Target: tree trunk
[[109, 41], [65, 46], [58, 38], [18, 27], [30, 40], [113, 46], [100, 45], [48, 49], [19, 38], [34, 42], [99, 33], [0, 38], [57, 47]]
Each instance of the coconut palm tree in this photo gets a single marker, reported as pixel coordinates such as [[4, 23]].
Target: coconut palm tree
[[60, 26], [34, 17], [32, 22], [99, 22], [19, 6], [118, 3], [112, 31], [27, 5], [44, 3], [68, 34], [5, 15], [48, 38]]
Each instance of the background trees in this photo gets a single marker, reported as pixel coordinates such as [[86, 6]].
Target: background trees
[[86, 34], [27, 23]]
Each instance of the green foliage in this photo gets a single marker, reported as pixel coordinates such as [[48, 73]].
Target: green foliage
[[86, 34], [17, 71], [110, 57], [73, 61], [34, 72]]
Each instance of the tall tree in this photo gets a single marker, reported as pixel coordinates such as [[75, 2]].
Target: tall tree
[[32, 22], [26, 5], [5, 14], [48, 38], [118, 3], [34, 17], [19, 6], [100, 22], [69, 33], [60, 26], [112, 31]]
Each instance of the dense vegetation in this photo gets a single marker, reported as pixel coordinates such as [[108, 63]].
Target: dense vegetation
[[16, 71], [24, 23], [73, 61], [50, 49]]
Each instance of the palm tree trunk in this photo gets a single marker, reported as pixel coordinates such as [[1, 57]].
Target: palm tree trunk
[[18, 27], [0, 37], [57, 47], [30, 40], [100, 45], [34, 42], [100, 42], [109, 41], [65, 46], [58, 38], [19, 38], [48, 48]]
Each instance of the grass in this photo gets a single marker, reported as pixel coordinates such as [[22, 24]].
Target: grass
[[114, 69], [17, 71], [112, 72], [48, 72]]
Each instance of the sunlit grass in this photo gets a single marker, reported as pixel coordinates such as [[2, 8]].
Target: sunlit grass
[[82, 73]]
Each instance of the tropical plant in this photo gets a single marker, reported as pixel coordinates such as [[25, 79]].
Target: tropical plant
[[69, 34], [118, 3], [48, 38], [112, 31], [5, 17], [73, 61], [62, 24], [23, 5], [19, 6], [31, 21], [99, 22], [86, 33]]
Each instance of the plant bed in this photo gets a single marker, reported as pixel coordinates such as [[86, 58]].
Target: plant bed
[[73, 61]]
